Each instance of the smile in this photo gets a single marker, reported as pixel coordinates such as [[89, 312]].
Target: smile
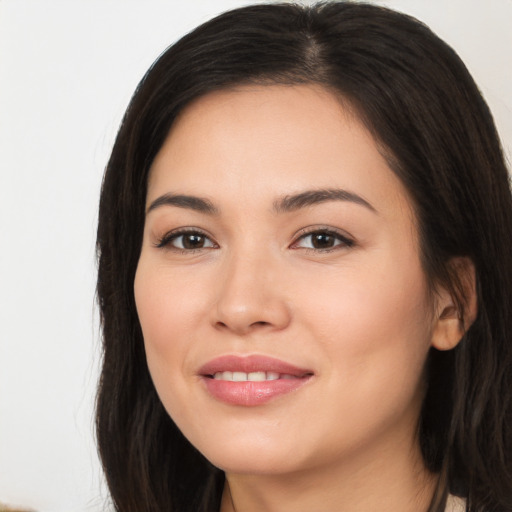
[[251, 380], [252, 376]]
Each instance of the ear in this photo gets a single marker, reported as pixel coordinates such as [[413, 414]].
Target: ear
[[450, 324]]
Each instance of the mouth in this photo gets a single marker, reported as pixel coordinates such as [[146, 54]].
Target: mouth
[[251, 380], [259, 376]]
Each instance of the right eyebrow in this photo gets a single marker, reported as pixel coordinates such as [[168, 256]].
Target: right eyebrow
[[199, 204], [313, 197]]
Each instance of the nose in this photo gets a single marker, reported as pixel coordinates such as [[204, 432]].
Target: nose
[[250, 296]]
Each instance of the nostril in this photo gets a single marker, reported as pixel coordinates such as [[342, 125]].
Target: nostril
[[242, 328]]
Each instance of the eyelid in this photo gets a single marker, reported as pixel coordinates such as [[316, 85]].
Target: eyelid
[[164, 241], [346, 239]]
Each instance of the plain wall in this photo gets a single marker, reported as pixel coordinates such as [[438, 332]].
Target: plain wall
[[67, 71]]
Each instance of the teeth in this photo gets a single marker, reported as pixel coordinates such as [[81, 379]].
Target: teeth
[[223, 376], [256, 376], [252, 376]]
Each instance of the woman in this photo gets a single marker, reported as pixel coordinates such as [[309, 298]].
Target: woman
[[304, 273]]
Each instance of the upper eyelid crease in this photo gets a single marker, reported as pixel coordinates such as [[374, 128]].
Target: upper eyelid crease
[[288, 203]]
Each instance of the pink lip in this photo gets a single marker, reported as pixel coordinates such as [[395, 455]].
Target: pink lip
[[253, 363], [251, 393]]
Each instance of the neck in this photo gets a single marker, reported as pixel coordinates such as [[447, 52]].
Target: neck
[[388, 482]]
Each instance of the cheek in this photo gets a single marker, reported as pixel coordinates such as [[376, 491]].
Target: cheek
[[375, 316], [373, 324], [371, 328], [169, 304], [174, 311], [359, 302], [167, 326]]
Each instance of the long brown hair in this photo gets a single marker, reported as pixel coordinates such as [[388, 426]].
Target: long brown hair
[[422, 106]]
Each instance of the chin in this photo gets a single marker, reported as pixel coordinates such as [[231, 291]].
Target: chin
[[249, 465], [251, 455]]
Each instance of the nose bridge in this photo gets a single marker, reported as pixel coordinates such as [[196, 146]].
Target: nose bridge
[[249, 295]]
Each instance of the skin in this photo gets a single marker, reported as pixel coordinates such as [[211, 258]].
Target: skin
[[359, 315]]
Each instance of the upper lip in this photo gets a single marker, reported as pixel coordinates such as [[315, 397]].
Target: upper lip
[[251, 363]]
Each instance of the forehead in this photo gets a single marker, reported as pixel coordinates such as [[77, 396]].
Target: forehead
[[259, 142]]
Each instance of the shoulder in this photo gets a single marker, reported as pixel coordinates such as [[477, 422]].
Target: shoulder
[[455, 504]]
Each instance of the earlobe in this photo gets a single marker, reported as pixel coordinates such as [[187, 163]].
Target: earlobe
[[451, 319]]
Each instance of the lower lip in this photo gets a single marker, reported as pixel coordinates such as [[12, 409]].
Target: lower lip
[[252, 393]]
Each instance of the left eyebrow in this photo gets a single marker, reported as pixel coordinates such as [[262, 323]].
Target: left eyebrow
[[295, 202]]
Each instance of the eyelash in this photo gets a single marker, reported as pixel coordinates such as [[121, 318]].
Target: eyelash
[[165, 241], [345, 242]]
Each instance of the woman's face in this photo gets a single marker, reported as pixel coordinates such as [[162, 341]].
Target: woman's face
[[279, 247]]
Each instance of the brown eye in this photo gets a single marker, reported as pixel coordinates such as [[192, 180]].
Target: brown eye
[[192, 241], [186, 241], [323, 240]]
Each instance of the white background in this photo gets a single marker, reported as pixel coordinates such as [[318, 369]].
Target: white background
[[67, 71]]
